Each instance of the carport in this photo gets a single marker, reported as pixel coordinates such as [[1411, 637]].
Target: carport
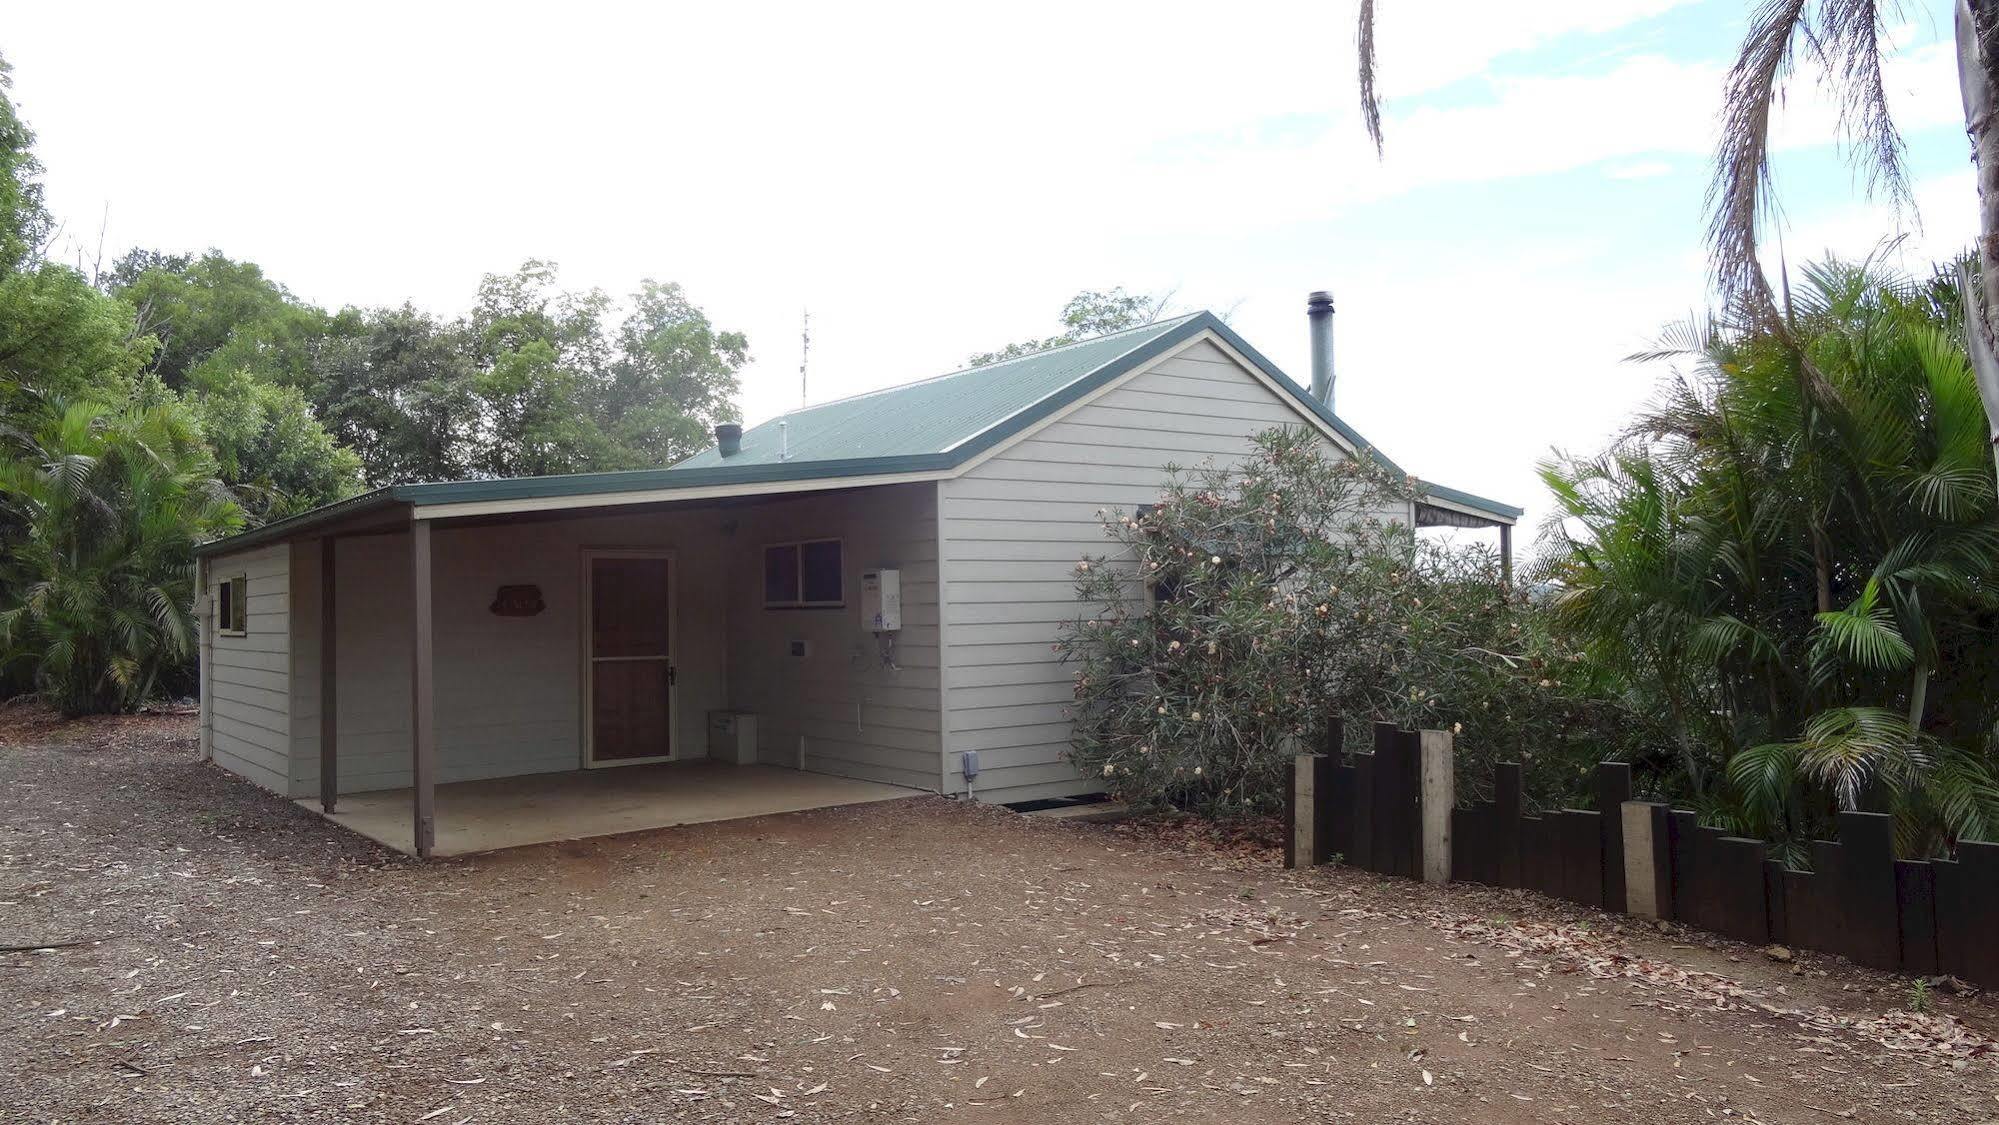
[[509, 812]]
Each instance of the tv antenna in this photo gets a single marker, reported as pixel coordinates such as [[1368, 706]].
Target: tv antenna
[[804, 354]]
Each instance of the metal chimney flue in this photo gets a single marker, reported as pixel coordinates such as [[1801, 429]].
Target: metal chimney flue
[[728, 439], [1319, 312]]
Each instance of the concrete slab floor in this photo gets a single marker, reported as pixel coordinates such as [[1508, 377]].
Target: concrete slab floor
[[509, 812]]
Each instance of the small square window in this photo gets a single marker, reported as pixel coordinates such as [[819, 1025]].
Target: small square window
[[232, 608], [781, 574], [807, 574], [819, 572]]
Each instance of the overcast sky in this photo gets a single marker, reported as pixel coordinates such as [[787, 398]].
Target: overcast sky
[[931, 180]]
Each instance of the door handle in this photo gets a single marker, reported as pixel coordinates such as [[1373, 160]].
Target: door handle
[[672, 676]]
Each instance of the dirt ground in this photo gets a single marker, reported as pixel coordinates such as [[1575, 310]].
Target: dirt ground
[[221, 955]]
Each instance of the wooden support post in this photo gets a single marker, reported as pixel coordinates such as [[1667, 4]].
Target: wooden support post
[[329, 685], [204, 619], [1506, 555], [423, 712], [1613, 788], [1439, 800], [1648, 873], [1303, 844]]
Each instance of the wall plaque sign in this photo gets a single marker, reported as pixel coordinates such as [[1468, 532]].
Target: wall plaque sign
[[518, 601]]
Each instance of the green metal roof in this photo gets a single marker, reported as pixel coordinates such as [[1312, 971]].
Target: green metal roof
[[933, 416], [930, 426]]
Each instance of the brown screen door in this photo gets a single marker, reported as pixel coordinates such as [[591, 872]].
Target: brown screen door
[[631, 671]]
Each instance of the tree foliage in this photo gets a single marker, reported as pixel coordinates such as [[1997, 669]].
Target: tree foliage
[[1258, 605], [1092, 312], [110, 502], [1792, 552], [181, 395]]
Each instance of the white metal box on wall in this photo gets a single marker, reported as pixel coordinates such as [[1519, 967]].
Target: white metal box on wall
[[881, 600], [732, 737]]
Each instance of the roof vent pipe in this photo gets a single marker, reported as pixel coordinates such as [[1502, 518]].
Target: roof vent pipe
[[728, 439], [1319, 311]]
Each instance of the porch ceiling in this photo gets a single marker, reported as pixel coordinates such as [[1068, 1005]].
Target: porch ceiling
[[510, 812]]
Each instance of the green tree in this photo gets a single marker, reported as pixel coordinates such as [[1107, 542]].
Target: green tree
[[213, 307], [1092, 312], [112, 501], [268, 443], [1258, 604], [61, 337], [397, 389], [560, 392], [24, 222], [673, 377], [1792, 553]]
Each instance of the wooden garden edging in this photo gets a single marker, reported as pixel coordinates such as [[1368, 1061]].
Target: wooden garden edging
[[1394, 811]]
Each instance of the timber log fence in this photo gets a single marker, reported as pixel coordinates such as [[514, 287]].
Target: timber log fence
[[1394, 811]]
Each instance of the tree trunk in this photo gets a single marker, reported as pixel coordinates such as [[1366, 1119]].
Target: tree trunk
[[1977, 55]]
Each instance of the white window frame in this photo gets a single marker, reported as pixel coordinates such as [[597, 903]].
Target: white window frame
[[240, 604], [798, 547]]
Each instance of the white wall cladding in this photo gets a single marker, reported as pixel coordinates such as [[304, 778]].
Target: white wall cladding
[[1014, 526], [509, 688], [855, 717], [250, 711], [999, 543]]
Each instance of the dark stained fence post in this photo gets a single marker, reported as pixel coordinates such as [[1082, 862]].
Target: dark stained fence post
[[1741, 905], [1394, 813], [1682, 834], [1613, 788], [1362, 855], [1506, 823], [1867, 888], [1341, 804], [1967, 914], [1581, 841], [1916, 908], [1409, 747], [1777, 900]]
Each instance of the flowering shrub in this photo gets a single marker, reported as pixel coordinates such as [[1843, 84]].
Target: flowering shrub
[[1253, 607]]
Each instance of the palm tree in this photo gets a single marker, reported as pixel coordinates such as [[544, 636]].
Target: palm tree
[[1784, 548], [1844, 37], [99, 583]]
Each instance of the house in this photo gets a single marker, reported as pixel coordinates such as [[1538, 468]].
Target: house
[[833, 606]]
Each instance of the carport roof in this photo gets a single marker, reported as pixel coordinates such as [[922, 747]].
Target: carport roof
[[931, 426]]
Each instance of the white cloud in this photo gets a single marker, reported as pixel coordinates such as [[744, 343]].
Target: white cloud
[[933, 179], [1639, 170]]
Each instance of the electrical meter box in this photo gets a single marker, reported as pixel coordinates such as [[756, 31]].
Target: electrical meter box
[[881, 601], [732, 737]]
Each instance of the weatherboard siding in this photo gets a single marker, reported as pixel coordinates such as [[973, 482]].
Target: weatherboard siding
[[248, 707], [1014, 526], [508, 690], [840, 708]]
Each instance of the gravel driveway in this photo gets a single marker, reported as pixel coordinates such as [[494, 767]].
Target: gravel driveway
[[236, 959]]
